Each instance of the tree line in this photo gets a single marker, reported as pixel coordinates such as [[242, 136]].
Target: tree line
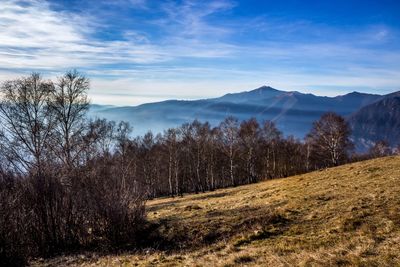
[[69, 182], [197, 157]]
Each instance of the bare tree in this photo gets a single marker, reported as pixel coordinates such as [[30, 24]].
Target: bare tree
[[249, 134], [380, 149], [171, 143], [149, 166], [229, 141], [69, 103], [329, 139], [27, 121], [212, 149], [270, 137]]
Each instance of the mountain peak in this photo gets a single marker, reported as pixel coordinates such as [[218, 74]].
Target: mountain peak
[[263, 90], [351, 94], [266, 88], [357, 96], [255, 94], [355, 93]]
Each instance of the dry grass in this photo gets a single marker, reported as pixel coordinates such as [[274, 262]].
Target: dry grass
[[349, 215]]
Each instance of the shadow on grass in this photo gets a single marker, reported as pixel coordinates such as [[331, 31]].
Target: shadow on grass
[[210, 196], [171, 233]]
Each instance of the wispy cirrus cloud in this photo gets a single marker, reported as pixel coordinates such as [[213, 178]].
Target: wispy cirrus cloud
[[32, 36]]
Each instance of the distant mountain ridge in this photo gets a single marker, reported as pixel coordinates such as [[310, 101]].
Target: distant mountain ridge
[[292, 111], [377, 121]]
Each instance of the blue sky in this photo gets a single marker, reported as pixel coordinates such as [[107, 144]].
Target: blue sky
[[137, 51]]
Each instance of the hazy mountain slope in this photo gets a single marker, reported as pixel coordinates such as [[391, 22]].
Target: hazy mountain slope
[[255, 95], [377, 121], [293, 112], [348, 215]]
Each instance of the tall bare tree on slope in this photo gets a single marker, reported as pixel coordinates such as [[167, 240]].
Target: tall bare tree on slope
[[329, 140], [27, 121]]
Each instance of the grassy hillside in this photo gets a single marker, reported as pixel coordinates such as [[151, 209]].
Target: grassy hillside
[[349, 215]]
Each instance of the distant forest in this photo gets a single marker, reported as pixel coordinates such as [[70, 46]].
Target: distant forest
[[68, 182]]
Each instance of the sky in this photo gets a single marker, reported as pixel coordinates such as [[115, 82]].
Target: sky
[[139, 51]]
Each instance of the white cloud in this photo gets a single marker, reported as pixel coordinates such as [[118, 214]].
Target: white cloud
[[192, 56], [34, 36]]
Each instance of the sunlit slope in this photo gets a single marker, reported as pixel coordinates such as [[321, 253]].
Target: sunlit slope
[[349, 215]]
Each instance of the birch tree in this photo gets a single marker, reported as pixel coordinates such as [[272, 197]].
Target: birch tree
[[229, 142], [330, 140]]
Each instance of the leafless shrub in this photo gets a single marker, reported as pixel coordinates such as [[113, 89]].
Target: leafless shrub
[[60, 190]]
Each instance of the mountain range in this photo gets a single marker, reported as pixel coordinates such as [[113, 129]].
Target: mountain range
[[372, 117]]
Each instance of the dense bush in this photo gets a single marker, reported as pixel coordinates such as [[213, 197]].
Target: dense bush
[[42, 216]]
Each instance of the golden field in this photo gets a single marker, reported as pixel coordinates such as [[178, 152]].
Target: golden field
[[343, 216]]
